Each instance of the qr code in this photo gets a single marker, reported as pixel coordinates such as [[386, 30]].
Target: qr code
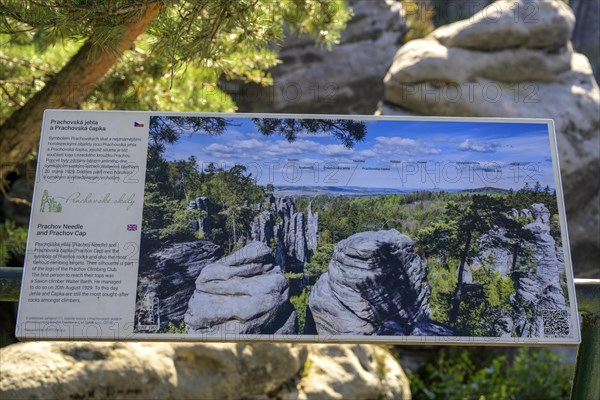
[[556, 323]]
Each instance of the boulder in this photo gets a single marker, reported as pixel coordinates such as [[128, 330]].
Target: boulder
[[166, 282], [103, 371], [343, 80], [500, 63], [375, 285], [505, 24], [243, 293], [353, 372]]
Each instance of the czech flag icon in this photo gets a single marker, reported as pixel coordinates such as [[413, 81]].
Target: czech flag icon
[[138, 124]]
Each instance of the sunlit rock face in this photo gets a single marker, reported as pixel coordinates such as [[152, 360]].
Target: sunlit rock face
[[499, 63], [153, 371]]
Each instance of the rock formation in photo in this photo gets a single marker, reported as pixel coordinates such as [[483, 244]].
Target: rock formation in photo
[[243, 293], [312, 228], [536, 270], [376, 284], [291, 232], [166, 282], [203, 223], [540, 289]]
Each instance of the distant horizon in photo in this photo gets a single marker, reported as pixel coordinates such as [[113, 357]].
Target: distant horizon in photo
[[399, 155]]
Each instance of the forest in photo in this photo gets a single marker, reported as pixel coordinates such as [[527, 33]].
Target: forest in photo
[[223, 247]]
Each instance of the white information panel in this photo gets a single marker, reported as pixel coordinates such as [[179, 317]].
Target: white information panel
[[264, 227]]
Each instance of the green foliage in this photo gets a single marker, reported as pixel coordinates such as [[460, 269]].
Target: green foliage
[[231, 194], [293, 275], [442, 280], [486, 303], [555, 230], [319, 261], [273, 245], [180, 229], [563, 283], [176, 63], [533, 373], [347, 131], [13, 240], [420, 19], [300, 303], [176, 329], [343, 216], [497, 289], [528, 195], [457, 236], [156, 208], [306, 368]]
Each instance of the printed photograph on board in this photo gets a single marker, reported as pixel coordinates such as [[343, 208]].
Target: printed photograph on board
[[342, 227]]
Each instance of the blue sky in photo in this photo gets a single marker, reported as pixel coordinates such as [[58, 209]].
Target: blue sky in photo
[[395, 154]]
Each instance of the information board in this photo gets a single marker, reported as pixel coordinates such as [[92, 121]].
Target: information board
[[247, 227]]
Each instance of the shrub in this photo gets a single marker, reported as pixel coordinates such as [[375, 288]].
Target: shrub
[[533, 373], [300, 303]]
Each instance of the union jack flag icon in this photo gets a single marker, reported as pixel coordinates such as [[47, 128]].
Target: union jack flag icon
[[132, 227]]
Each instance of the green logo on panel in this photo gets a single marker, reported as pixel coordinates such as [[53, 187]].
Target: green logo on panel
[[49, 204]]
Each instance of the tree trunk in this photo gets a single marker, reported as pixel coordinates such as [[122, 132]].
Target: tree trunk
[[20, 133], [458, 292]]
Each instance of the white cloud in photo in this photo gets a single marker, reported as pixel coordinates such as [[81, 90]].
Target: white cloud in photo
[[366, 153], [390, 146], [257, 149], [335, 150], [478, 146]]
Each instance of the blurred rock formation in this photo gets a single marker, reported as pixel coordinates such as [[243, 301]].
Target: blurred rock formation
[[147, 371], [345, 80]]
